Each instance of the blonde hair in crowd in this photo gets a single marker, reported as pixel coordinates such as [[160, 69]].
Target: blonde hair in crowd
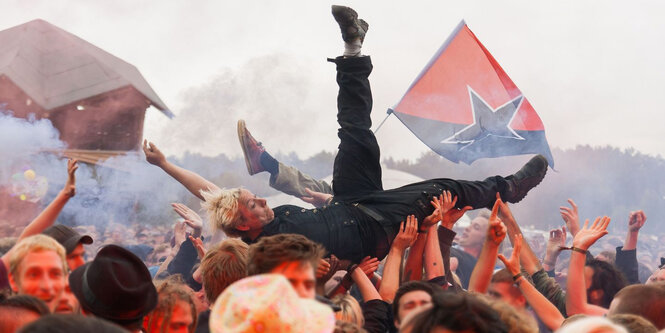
[[222, 207], [35, 243], [350, 310]]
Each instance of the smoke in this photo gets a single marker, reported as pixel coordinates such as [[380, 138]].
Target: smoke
[[136, 193], [278, 96]]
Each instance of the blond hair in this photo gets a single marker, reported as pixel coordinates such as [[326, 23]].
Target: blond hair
[[35, 243], [350, 310], [222, 207]]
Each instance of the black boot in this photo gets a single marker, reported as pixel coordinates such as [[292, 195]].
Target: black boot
[[352, 28], [519, 184]]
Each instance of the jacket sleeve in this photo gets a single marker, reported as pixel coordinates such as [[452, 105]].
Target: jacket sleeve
[[626, 262], [550, 289]]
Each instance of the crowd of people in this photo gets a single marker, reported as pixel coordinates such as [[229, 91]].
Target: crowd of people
[[364, 259]]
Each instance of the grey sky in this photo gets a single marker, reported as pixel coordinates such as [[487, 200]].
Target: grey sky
[[593, 70]]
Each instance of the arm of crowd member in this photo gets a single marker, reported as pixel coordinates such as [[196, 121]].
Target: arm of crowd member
[[530, 262], [482, 273], [413, 267], [571, 217], [318, 199], [555, 243], [546, 311], [576, 297], [406, 237], [48, 216], [179, 235], [368, 265], [435, 264], [191, 180], [626, 256], [375, 310]]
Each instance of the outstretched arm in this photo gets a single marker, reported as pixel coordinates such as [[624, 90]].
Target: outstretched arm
[[530, 261], [482, 273], [626, 256], [191, 180], [555, 243], [576, 298], [48, 216], [545, 310], [407, 235]]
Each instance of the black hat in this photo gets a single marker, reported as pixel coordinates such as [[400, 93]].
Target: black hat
[[67, 237], [115, 286]]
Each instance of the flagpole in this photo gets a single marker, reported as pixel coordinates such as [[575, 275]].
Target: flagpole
[[389, 112]]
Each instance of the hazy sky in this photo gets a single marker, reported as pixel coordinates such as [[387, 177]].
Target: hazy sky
[[593, 70]]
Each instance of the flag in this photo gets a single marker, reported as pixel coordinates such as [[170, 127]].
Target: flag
[[465, 107]]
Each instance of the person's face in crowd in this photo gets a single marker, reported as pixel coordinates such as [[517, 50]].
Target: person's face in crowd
[[411, 301], [254, 210], [180, 322], [68, 302], [301, 276], [594, 296], [508, 293], [474, 234], [40, 274], [657, 276], [76, 258]]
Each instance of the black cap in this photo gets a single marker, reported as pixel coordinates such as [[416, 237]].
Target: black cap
[[67, 237]]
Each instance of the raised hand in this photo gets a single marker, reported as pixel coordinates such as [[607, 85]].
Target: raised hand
[[556, 241], [636, 221], [571, 217], [70, 185], [192, 219], [445, 210], [179, 233], [152, 154], [588, 235], [318, 199], [369, 265], [408, 232], [513, 264], [198, 245], [496, 231]]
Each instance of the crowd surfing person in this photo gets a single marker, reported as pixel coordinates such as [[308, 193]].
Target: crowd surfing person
[[298, 270]]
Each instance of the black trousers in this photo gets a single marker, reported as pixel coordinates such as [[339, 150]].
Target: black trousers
[[357, 169]]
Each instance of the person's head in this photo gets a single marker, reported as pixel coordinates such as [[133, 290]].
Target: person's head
[[66, 323], [410, 296], [474, 235], [291, 255], [19, 310], [503, 287], [516, 319], [115, 286], [159, 254], [607, 256], [37, 267], [657, 276], [175, 311], [236, 211], [68, 302], [222, 265], [342, 326], [350, 309], [647, 301], [603, 282], [592, 324], [72, 241], [268, 303], [456, 312], [633, 323]]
